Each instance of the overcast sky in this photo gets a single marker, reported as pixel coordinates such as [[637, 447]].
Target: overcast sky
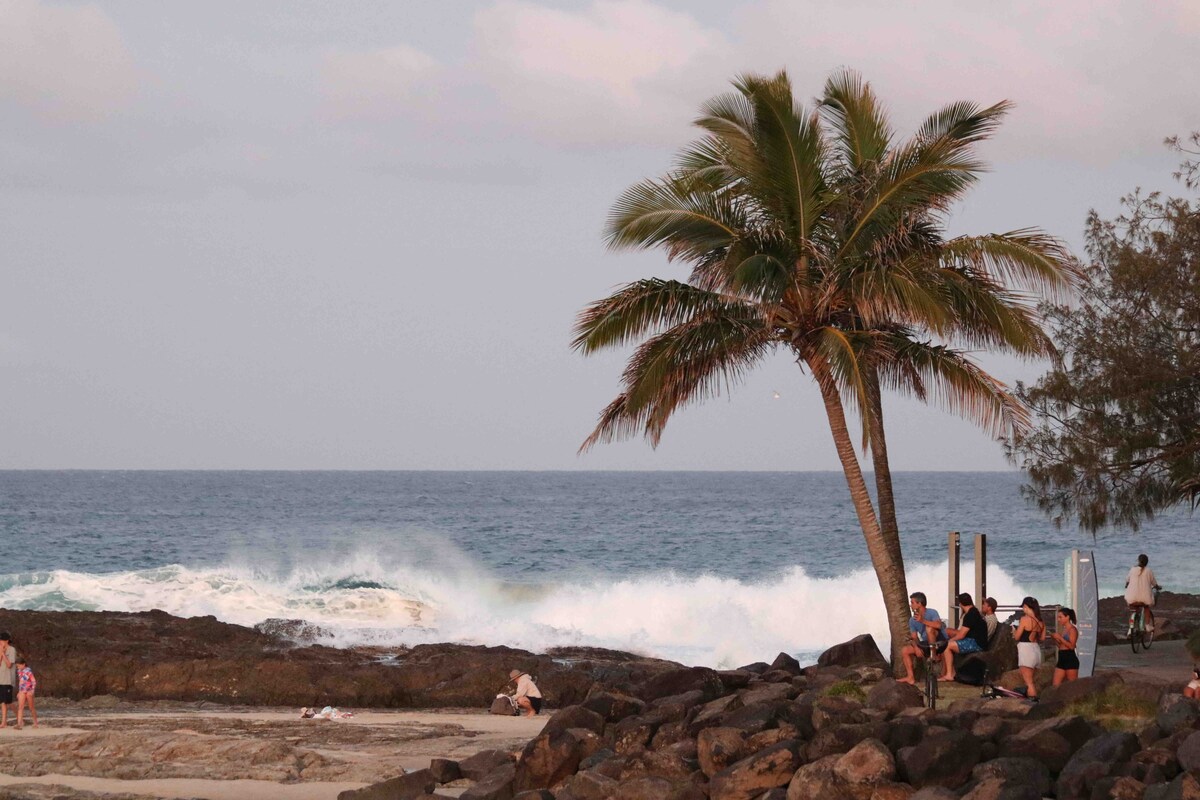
[[355, 235]]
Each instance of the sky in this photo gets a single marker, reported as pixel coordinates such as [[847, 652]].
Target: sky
[[301, 235]]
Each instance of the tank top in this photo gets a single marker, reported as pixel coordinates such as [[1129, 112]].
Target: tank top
[[1025, 636]]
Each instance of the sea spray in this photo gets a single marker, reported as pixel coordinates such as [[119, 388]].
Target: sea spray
[[706, 619]]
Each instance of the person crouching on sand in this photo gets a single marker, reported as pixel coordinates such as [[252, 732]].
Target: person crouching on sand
[[527, 697], [26, 686]]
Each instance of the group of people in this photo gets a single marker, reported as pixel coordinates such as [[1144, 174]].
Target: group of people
[[17, 684], [930, 636]]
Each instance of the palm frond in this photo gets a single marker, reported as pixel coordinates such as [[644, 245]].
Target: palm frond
[[643, 307], [860, 126], [1026, 259]]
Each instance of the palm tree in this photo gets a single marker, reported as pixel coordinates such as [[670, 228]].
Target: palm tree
[[813, 232]]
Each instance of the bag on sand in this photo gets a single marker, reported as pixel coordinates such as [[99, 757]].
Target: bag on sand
[[504, 706]]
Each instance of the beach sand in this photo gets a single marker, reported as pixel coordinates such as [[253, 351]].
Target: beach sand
[[237, 753]]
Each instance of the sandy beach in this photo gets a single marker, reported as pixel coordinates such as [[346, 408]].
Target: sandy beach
[[236, 753]]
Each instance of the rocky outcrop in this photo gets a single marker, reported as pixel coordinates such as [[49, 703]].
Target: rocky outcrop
[[861, 651], [155, 656]]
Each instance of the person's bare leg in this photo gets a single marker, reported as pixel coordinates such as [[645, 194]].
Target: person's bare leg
[[948, 663], [1149, 619], [3, 715], [1027, 676], [526, 706], [1059, 676], [20, 710], [907, 657], [33, 711], [1072, 675], [1189, 692]]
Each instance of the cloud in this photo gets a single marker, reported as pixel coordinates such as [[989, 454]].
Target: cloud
[[65, 63], [620, 71], [375, 84]]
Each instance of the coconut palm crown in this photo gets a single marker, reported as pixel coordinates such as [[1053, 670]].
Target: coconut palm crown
[[816, 232]]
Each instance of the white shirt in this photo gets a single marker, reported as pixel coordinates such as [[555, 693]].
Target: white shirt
[[1141, 586], [526, 687]]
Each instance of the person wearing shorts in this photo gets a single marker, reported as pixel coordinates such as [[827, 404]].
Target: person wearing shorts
[[8, 677], [1029, 634], [925, 630], [528, 697], [26, 687], [1193, 687], [972, 637], [1067, 666]]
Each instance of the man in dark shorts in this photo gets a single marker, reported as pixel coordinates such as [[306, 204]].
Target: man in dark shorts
[[972, 637], [528, 697], [8, 676]]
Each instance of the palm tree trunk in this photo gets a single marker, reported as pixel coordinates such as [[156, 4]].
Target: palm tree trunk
[[886, 500], [889, 570]]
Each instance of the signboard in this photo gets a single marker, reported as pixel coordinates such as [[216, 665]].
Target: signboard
[[1083, 594]]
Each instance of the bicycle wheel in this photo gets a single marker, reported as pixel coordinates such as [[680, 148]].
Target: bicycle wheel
[[1147, 638], [1135, 638]]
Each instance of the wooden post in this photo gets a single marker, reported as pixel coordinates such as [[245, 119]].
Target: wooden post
[[952, 605], [980, 568]]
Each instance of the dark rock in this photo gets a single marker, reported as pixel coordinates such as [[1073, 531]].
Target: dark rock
[[717, 748], [678, 681], [734, 679], [550, 757], [1184, 787], [652, 788], [861, 651], [1122, 788], [1008, 707], [757, 668], [534, 794], [596, 758], [934, 793], [904, 733], [1176, 713], [613, 707], [842, 738], [1093, 761], [669, 734], [574, 717], [710, 713], [940, 759], [496, 785], [750, 777], [868, 762], [764, 692], [787, 663], [829, 711], [403, 787], [1162, 760], [483, 763], [777, 676], [1189, 752], [1027, 771], [297, 630], [632, 734], [1051, 741], [444, 770], [755, 718], [892, 696], [1002, 789], [503, 707], [587, 786], [817, 781]]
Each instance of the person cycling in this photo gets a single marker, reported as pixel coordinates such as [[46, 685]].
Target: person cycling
[[1140, 587]]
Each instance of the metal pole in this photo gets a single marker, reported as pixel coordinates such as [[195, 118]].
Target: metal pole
[[952, 603], [980, 568]]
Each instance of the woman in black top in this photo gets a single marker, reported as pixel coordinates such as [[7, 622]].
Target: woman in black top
[[1067, 667]]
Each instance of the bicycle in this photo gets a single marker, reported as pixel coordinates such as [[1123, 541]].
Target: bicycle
[[931, 653], [1139, 635]]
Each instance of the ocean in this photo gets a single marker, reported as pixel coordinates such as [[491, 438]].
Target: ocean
[[713, 568]]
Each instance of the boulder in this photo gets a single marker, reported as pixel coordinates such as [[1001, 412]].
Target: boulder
[[550, 757], [757, 668], [842, 738], [709, 713], [830, 711], [483, 763], [403, 787], [735, 679], [613, 707], [762, 692], [1054, 699], [1176, 713], [869, 761], [1027, 771], [861, 651], [817, 781], [652, 788], [444, 770], [787, 663], [717, 748], [750, 777], [940, 759], [892, 696], [1009, 707], [631, 734], [496, 785], [1001, 789], [1184, 787], [1052, 741], [1096, 759], [678, 681], [1121, 788], [503, 707], [587, 786], [574, 717], [1188, 753], [934, 793], [534, 794]]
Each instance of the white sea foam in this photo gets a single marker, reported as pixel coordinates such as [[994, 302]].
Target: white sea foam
[[710, 620]]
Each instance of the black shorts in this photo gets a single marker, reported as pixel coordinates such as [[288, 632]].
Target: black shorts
[[6, 693], [1067, 659], [535, 703]]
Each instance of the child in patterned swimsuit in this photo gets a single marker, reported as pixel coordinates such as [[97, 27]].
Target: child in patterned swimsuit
[[26, 686]]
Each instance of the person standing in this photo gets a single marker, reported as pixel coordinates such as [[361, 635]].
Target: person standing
[[1067, 666], [26, 686], [1139, 589], [8, 676], [527, 697], [1029, 634]]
